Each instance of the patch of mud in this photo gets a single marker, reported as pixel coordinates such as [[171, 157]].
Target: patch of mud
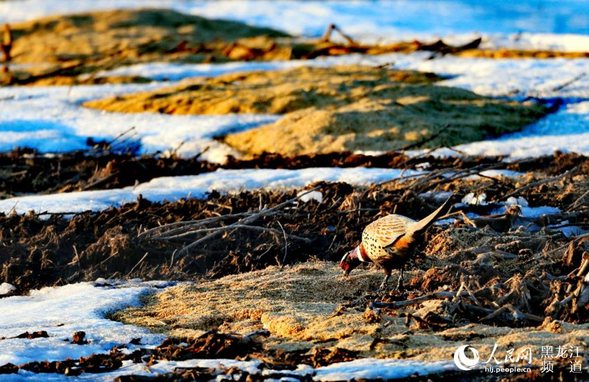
[[338, 109], [28, 172], [40, 250]]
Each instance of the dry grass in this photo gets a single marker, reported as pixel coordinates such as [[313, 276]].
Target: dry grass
[[308, 305], [337, 109]]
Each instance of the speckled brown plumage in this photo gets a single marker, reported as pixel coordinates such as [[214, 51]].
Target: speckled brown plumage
[[380, 241], [389, 242]]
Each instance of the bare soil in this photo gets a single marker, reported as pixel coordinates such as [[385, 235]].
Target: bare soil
[[72, 49], [58, 49], [338, 109]]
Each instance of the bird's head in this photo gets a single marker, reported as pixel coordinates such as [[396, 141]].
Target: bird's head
[[350, 260]]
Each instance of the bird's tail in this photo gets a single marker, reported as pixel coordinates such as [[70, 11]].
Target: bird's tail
[[423, 224]]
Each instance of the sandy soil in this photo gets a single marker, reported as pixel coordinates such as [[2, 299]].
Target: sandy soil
[[58, 49], [70, 49], [326, 111], [313, 305]]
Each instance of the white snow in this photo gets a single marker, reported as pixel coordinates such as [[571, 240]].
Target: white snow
[[197, 186], [305, 196], [519, 201], [520, 78], [6, 288], [566, 130], [475, 200], [343, 371], [517, 78], [61, 311], [65, 125], [370, 368], [169, 71], [52, 120], [531, 212]]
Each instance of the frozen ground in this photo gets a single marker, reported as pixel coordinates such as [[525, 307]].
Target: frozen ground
[[61, 311], [354, 370], [197, 186], [51, 120]]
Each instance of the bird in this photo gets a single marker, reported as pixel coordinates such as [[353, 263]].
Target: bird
[[389, 242]]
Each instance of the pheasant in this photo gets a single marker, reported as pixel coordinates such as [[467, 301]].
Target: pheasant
[[389, 242]]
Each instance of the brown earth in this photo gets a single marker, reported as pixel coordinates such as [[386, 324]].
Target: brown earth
[[41, 250], [24, 171], [266, 92], [338, 109], [311, 306], [62, 47], [275, 365], [71, 49]]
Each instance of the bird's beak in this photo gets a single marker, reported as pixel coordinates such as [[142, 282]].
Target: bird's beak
[[346, 273]]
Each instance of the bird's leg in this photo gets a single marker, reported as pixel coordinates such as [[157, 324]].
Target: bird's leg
[[383, 285], [400, 281]]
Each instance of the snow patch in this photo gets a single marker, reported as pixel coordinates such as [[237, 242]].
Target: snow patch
[[197, 186], [370, 368], [51, 119], [61, 311], [6, 288]]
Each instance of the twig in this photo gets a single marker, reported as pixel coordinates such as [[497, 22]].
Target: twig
[[100, 181], [422, 141], [331, 28], [534, 184], [7, 42], [195, 223], [229, 228], [139, 262], [416, 300], [244, 221], [285, 243], [516, 313], [572, 206]]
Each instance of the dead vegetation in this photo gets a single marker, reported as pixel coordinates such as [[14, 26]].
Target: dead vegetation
[[24, 171], [479, 278], [72, 49], [338, 109], [62, 48], [37, 252]]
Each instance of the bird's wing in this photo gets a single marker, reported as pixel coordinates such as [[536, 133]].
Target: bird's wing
[[387, 229]]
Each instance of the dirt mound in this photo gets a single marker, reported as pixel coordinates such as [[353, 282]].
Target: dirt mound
[[123, 35], [70, 49], [63, 47], [266, 92], [338, 109]]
